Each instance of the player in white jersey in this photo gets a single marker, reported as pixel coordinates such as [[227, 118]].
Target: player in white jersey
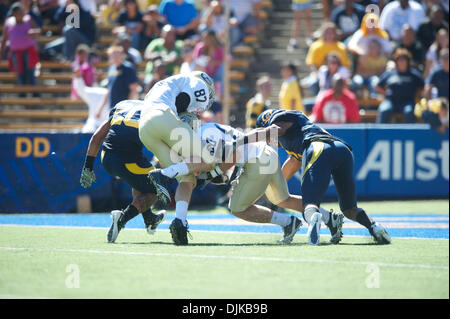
[[171, 140], [260, 173]]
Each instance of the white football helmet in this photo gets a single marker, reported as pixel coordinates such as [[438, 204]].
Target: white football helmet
[[199, 95]]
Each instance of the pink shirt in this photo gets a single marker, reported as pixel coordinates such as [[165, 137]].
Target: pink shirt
[[18, 33], [217, 56]]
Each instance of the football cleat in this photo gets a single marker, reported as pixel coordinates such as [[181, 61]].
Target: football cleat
[[116, 226], [179, 232], [158, 219], [290, 230], [380, 234], [160, 182], [335, 226], [314, 229]]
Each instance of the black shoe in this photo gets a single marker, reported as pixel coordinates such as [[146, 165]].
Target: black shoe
[[335, 226], [158, 219], [179, 232], [116, 226], [160, 182], [290, 230]]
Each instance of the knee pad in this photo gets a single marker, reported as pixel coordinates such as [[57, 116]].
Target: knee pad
[[308, 212]]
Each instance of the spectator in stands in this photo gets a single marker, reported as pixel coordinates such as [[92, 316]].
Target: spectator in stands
[[182, 15], [93, 97], [122, 80], [214, 53], [400, 87], [290, 97], [327, 71], [432, 57], [189, 63], [370, 30], [369, 68], [131, 54], [258, 103], [328, 42], [431, 25], [336, 105], [159, 74], [438, 81], [110, 12], [153, 24], [130, 19], [398, 13], [409, 43], [348, 18], [247, 14], [48, 9], [213, 17], [73, 35], [20, 30], [90, 6], [167, 48], [30, 9], [327, 7], [83, 67], [3, 11], [301, 8]]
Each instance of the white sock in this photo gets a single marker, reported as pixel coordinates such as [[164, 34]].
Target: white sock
[[308, 213], [280, 219], [325, 215], [181, 210], [175, 170]]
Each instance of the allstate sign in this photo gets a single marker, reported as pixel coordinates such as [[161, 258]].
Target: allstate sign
[[394, 160]]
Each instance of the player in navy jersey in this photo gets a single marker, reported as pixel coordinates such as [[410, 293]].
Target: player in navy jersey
[[122, 157], [320, 156]]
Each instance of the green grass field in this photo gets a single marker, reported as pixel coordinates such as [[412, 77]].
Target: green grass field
[[43, 262]]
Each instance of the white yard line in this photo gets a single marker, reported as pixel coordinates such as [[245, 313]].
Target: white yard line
[[247, 258]]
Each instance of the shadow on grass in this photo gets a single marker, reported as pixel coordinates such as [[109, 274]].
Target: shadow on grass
[[247, 244]]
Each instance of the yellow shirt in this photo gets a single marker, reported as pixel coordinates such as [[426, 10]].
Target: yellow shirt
[[290, 90], [255, 106], [108, 16], [319, 50]]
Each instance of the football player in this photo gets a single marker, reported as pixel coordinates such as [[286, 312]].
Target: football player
[[122, 158], [173, 141], [260, 173], [320, 156]]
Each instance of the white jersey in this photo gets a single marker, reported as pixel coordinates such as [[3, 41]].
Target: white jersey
[[166, 91], [213, 134]]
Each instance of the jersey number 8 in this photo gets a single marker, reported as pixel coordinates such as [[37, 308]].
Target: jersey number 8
[[200, 93]]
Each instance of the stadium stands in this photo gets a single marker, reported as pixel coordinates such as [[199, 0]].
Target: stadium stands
[[257, 54]]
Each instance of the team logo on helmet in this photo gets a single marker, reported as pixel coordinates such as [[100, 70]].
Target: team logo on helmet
[[264, 118]]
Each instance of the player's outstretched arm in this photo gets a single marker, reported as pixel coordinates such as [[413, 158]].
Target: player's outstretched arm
[[87, 174], [266, 134]]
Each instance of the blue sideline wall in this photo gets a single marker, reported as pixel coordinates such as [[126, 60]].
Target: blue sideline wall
[[39, 172]]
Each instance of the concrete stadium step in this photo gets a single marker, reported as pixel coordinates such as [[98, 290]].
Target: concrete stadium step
[[42, 102], [41, 126], [44, 114]]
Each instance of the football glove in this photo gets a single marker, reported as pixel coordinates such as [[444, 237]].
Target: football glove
[[87, 177]]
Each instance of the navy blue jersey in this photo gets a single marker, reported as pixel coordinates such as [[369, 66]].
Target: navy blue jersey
[[123, 135], [300, 134]]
